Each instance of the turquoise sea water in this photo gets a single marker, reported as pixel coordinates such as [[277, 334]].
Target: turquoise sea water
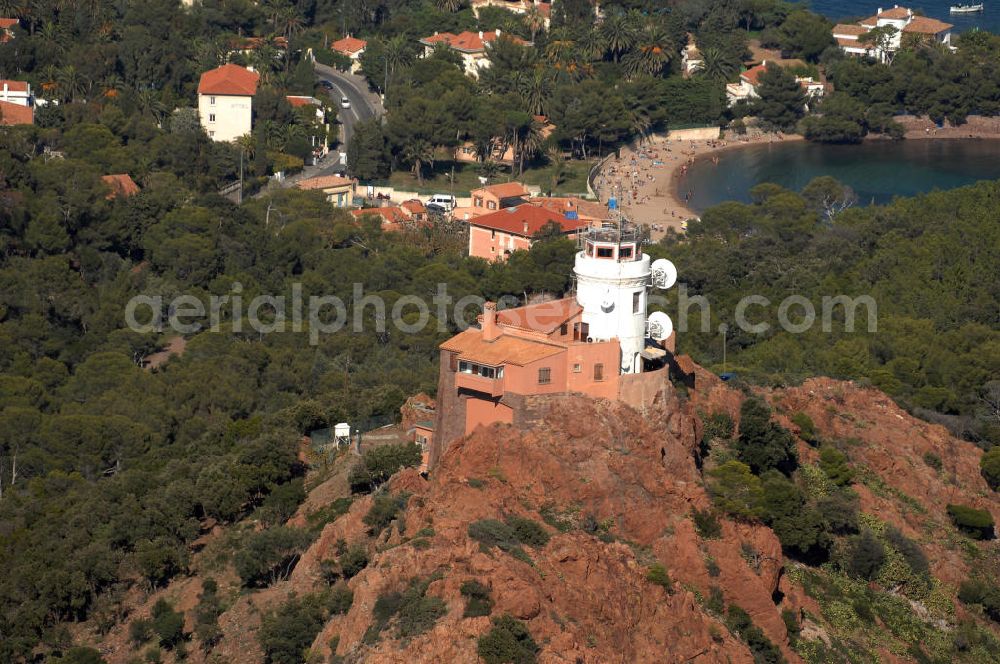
[[876, 170], [989, 19]]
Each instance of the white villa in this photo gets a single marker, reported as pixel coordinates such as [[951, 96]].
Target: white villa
[[353, 48], [470, 45], [848, 36], [225, 101], [15, 92], [746, 88]]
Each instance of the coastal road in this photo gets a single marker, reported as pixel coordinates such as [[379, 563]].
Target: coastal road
[[364, 103]]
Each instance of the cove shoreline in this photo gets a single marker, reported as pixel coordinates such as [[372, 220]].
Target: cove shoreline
[[655, 170]]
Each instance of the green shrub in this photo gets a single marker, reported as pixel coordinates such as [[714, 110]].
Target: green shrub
[[985, 594], [910, 550], [160, 559], [79, 655], [353, 561], [763, 650], [341, 599], [478, 601], [736, 491], [282, 502], [206, 616], [763, 445], [380, 463], [167, 624], [528, 531], [328, 514], [989, 466], [807, 430], [657, 573], [140, 631], [384, 509], [792, 625], [712, 567], [706, 523], [507, 642], [718, 425], [287, 632], [270, 555], [977, 524], [833, 463], [715, 602], [934, 461], [866, 556], [415, 612]]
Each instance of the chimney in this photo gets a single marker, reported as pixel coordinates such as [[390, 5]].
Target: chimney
[[498, 33], [525, 228], [490, 329], [480, 34], [879, 11]]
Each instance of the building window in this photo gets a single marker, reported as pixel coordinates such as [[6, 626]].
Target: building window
[[477, 201], [598, 372], [625, 252], [453, 362], [577, 368], [491, 205], [493, 250], [211, 133], [636, 302], [544, 376], [211, 100], [563, 329], [211, 117], [493, 234], [605, 252]]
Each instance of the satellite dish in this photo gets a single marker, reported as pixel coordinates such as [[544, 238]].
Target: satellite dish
[[659, 326], [664, 273], [608, 304]]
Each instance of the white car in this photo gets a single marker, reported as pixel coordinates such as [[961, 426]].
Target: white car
[[446, 201], [345, 102]]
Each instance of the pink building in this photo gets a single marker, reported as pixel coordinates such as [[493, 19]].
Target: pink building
[[598, 342], [495, 236]]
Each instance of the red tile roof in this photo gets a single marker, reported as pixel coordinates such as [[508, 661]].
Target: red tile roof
[[752, 75], [505, 349], [15, 114], [470, 42], [525, 220], [229, 79], [390, 215], [14, 86], [504, 190], [542, 317], [324, 182], [895, 13], [8, 23], [413, 206], [121, 184], [923, 25], [349, 45], [253, 43], [848, 29], [300, 100], [585, 209]]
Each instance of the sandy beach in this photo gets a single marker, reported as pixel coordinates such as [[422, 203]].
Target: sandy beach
[[648, 178]]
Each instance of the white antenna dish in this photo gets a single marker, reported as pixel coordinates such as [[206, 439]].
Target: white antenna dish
[[659, 326], [664, 274], [608, 303]]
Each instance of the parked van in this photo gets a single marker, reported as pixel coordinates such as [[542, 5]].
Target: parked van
[[446, 201]]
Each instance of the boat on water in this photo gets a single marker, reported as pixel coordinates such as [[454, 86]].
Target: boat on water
[[966, 9]]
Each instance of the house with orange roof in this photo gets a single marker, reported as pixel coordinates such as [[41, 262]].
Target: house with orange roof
[[339, 191], [225, 101], [906, 25], [15, 114], [7, 26], [592, 212], [471, 46], [351, 47], [393, 217], [121, 185], [746, 88], [496, 236], [304, 101], [15, 92], [415, 209]]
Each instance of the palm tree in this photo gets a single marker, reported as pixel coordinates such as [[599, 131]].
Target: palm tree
[[535, 90], [289, 24], [71, 83], [560, 46], [592, 45], [717, 64], [418, 153], [149, 104], [397, 54], [650, 54], [619, 33], [534, 20], [448, 5], [248, 147]]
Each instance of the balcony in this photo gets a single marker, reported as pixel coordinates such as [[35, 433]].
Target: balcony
[[490, 386]]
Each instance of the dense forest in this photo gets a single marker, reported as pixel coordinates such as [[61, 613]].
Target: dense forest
[[928, 262]]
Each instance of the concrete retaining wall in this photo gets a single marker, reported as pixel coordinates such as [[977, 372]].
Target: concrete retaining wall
[[696, 134]]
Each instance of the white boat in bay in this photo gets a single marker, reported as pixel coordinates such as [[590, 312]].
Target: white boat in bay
[[966, 9]]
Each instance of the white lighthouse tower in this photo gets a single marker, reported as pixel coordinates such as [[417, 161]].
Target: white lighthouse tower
[[612, 279]]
